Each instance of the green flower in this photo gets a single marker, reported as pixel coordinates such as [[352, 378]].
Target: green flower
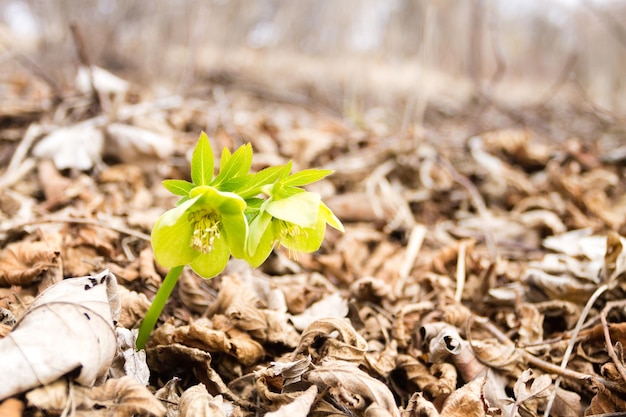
[[202, 231], [297, 222]]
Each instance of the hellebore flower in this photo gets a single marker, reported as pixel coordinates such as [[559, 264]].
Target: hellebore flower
[[202, 231], [297, 222]]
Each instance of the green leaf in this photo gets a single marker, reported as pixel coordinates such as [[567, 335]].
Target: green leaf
[[301, 209], [306, 176], [202, 162], [250, 185], [235, 166], [178, 187]]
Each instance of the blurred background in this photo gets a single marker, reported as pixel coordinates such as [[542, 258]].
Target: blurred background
[[350, 54]]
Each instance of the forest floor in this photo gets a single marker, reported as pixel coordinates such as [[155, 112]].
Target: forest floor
[[481, 271]]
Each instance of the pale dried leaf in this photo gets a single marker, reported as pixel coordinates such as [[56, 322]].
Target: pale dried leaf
[[419, 406], [467, 401], [196, 401], [78, 314], [299, 407], [331, 338], [351, 387], [333, 305], [79, 147], [124, 397], [131, 144]]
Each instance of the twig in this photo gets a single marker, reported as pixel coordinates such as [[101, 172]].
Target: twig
[[607, 336], [540, 363], [461, 270], [78, 220], [570, 346], [413, 248]]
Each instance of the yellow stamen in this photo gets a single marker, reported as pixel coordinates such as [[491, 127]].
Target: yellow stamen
[[291, 232], [206, 228]]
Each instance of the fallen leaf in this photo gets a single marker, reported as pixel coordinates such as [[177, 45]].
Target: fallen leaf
[[299, 407], [331, 338], [69, 327], [196, 401], [79, 147], [352, 388], [22, 262]]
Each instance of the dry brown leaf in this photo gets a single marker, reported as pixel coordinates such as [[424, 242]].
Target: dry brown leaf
[[353, 388], [225, 338], [22, 262], [196, 401], [532, 392], [467, 401], [605, 402], [299, 407], [333, 305], [419, 406], [11, 407], [57, 188], [78, 316], [134, 307], [331, 338], [194, 295], [566, 404], [124, 397]]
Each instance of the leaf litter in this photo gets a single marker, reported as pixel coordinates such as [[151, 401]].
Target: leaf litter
[[461, 286]]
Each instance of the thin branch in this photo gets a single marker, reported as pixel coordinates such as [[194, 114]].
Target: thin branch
[[77, 220], [607, 337]]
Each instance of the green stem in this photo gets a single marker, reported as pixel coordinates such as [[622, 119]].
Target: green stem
[[157, 305]]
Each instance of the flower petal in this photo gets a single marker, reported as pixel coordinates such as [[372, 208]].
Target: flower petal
[[171, 237], [235, 232], [209, 265], [301, 208], [223, 201]]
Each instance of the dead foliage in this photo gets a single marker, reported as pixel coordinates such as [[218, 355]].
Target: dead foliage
[[481, 273]]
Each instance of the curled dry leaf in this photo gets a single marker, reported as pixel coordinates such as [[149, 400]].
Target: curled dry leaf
[[437, 381], [331, 338], [197, 402], [78, 315], [532, 392], [300, 406], [333, 305], [134, 307], [223, 339], [352, 388], [23, 262], [467, 401], [130, 361], [124, 397], [280, 383], [419, 406]]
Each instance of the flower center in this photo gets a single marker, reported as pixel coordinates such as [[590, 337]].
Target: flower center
[[206, 228], [290, 231]]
